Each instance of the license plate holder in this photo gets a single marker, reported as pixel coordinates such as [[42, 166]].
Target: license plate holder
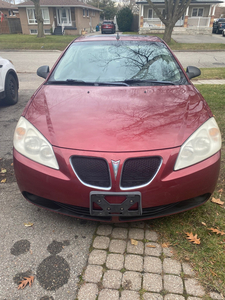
[[115, 209]]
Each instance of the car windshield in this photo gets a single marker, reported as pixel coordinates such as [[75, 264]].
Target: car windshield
[[133, 62]]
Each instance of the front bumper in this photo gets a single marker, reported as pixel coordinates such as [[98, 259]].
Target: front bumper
[[169, 192]]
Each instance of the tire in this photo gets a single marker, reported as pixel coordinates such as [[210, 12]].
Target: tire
[[11, 90]]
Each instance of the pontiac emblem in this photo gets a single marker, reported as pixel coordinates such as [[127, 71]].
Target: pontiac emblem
[[115, 165]]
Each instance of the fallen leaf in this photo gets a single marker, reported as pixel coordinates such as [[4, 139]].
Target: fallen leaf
[[203, 223], [217, 231], [3, 180], [217, 201], [29, 224], [165, 245], [25, 282], [193, 238], [151, 246], [214, 274], [134, 242], [220, 191], [3, 171]]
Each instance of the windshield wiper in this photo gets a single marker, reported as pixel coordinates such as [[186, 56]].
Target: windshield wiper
[[148, 81], [78, 82]]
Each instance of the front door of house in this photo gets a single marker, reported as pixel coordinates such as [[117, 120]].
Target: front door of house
[[64, 16]]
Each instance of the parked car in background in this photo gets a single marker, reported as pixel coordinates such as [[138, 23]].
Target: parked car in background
[[108, 27], [117, 132], [218, 26], [9, 83]]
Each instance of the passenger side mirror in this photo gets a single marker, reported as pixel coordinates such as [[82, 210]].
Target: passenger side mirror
[[193, 72], [43, 71]]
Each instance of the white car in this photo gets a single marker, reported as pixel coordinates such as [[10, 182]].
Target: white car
[[9, 83]]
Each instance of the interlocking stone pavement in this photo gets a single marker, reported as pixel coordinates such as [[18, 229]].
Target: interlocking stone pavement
[[118, 270]]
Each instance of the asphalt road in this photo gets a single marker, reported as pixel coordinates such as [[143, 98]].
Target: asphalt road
[[56, 247]]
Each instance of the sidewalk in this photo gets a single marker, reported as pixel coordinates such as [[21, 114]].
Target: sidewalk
[[209, 81], [119, 270]]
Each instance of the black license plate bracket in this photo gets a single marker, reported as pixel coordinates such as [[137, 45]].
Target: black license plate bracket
[[115, 209]]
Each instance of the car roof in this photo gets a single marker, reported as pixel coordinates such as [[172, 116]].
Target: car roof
[[122, 37]]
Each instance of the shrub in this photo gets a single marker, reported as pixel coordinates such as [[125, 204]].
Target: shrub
[[124, 19]]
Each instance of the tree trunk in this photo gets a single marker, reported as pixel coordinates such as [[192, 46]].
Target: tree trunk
[[38, 16], [40, 30], [168, 33]]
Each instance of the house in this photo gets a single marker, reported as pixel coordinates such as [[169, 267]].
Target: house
[[9, 18], [68, 17], [197, 19]]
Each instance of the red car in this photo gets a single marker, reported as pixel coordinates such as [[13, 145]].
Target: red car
[[117, 132], [108, 27]]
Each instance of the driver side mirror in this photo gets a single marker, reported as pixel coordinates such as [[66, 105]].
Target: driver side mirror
[[43, 71], [193, 72]]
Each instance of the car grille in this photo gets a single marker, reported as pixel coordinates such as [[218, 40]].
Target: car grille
[[92, 171], [139, 171]]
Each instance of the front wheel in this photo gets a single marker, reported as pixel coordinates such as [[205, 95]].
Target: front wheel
[[11, 90]]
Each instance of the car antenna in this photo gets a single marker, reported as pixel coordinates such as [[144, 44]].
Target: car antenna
[[117, 36]]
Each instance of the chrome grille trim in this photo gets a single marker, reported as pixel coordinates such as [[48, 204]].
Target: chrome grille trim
[[143, 185], [89, 185]]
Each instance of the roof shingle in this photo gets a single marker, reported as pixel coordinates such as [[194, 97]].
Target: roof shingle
[[61, 3]]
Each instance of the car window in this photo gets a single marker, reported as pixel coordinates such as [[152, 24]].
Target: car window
[[109, 61]]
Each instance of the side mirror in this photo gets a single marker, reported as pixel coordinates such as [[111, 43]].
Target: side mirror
[[193, 72], [43, 71]]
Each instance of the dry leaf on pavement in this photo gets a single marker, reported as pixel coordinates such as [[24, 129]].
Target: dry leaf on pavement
[[165, 245], [25, 282], [193, 238], [29, 224], [3, 171], [134, 242], [203, 223], [3, 180], [217, 231], [151, 246], [217, 201]]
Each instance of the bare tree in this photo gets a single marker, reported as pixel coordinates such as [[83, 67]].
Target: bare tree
[[174, 9], [39, 18], [10, 1]]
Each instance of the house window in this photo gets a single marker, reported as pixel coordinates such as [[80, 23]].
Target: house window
[[47, 31], [31, 16], [197, 12], [87, 13], [93, 13], [33, 31], [83, 12], [150, 14]]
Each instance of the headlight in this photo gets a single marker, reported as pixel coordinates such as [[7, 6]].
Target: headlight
[[203, 143], [32, 144]]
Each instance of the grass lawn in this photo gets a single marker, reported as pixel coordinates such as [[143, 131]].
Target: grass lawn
[[31, 42], [211, 73], [208, 258], [52, 42], [187, 47]]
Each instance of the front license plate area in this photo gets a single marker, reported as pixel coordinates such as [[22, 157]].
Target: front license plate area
[[113, 209]]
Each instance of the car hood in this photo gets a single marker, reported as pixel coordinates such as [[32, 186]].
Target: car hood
[[117, 118]]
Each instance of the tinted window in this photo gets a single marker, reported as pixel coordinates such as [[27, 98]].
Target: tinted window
[[111, 61]]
